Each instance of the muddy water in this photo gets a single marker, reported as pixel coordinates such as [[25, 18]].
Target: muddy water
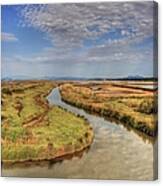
[[116, 153]]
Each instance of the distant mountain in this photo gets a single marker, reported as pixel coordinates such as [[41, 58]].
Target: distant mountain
[[63, 78], [66, 78], [42, 78], [135, 77], [16, 78], [138, 77], [6, 79]]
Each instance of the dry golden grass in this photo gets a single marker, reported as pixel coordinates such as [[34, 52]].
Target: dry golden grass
[[132, 106]]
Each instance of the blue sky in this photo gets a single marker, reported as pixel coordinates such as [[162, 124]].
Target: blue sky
[[108, 40]]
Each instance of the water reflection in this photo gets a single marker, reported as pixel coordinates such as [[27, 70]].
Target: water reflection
[[116, 153], [143, 136]]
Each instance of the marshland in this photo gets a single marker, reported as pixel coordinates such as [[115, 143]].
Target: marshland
[[32, 130], [131, 104], [45, 122]]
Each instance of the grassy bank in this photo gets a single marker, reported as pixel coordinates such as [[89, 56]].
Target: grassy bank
[[32, 130], [136, 108]]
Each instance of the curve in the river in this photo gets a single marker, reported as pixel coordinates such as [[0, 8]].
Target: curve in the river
[[115, 153]]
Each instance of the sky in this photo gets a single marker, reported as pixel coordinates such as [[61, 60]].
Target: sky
[[88, 40]]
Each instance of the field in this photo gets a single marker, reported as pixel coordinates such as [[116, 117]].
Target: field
[[132, 103], [32, 130]]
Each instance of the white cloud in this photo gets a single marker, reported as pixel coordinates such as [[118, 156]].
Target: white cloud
[[9, 37], [71, 24]]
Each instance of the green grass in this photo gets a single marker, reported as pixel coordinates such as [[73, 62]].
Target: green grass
[[64, 128], [39, 132]]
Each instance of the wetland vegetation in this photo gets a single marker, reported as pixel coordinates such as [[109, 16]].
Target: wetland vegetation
[[124, 102], [39, 129], [33, 130]]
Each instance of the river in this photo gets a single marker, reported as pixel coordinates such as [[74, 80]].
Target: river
[[116, 153]]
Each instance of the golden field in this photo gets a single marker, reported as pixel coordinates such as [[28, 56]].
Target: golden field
[[133, 104]]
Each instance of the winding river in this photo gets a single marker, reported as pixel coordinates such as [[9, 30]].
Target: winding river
[[116, 153]]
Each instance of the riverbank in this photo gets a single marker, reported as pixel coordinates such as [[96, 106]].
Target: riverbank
[[120, 148], [132, 107], [32, 130]]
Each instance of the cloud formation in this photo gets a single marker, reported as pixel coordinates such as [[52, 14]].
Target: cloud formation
[[9, 37], [112, 39], [72, 24]]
